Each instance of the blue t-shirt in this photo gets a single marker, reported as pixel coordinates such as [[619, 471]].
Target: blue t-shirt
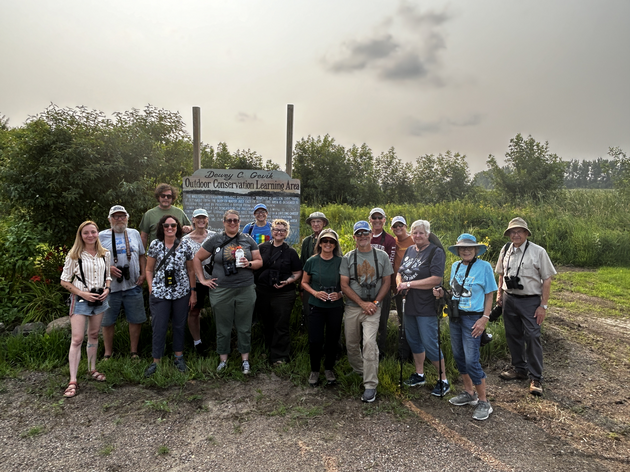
[[472, 292], [260, 234]]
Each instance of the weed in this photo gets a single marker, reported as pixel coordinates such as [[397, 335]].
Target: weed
[[34, 431], [107, 450], [117, 421], [108, 406], [259, 395], [161, 405], [163, 450], [193, 398], [211, 440]]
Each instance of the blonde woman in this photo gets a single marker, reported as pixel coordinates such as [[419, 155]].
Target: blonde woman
[[86, 276]]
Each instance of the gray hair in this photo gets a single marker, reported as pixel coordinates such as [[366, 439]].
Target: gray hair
[[424, 224]]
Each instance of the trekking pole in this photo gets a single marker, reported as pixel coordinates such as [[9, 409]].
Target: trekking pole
[[439, 304], [401, 339]]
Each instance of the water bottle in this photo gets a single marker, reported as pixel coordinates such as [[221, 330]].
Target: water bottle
[[238, 254]]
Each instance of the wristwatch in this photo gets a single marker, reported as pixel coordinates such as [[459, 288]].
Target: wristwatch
[[545, 306], [377, 303], [408, 284], [194, 289]]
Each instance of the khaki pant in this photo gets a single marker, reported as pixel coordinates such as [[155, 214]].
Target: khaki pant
[[363, 361]]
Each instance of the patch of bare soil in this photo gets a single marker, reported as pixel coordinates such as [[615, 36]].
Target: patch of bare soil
[[582, 423]]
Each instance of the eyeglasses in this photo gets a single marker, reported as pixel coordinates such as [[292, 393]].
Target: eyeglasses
[[374, 217], [362, 233], [517, 231], [281, 231], [169, 225], [119, 217], [166, 195], [231, 221], [328, 241], [398, 225]]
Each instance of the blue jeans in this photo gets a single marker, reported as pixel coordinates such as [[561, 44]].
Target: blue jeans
[[466, 348], [422, 335]]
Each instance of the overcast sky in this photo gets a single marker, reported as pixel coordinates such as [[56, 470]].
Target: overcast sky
[[423, 77]]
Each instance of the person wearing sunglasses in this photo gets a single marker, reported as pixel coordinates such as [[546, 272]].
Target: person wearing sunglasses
[[172, 289], [165, 195], [232, 291], [321, 281], [403, 241], [275, 290], [385, 242], [525, 273], [317, 221], [365, 276]]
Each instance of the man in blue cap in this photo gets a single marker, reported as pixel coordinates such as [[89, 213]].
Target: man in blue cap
[[365, 274], [259, 229]]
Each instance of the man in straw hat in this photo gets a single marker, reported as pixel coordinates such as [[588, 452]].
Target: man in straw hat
[[525, 272]]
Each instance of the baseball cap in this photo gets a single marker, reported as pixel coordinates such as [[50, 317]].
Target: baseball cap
[[361, 226], [259, 206], [398, 219], [377, 210], [200, 212], [117, 209]]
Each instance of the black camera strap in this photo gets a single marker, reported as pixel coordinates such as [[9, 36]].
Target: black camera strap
[[114, 247], [171, 251], [518, 269], [467, 271], [83, 279], [225, 243]]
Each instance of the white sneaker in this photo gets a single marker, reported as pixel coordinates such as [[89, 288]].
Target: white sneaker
[[245, 368], [222, 366]]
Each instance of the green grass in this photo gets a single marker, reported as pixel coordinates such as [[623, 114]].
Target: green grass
[[106, 450], [608, 283], [163, 450], [34, 431]]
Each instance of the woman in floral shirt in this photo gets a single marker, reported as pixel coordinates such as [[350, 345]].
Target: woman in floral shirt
[[171, 280]]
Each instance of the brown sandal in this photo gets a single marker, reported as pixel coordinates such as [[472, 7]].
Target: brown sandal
[[96, 375], [71, 390]]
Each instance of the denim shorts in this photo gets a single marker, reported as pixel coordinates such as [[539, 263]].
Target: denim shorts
[[78, 306], [422, 335], [133, 303]]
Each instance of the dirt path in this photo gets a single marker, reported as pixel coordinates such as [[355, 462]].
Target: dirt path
[[269, 424]]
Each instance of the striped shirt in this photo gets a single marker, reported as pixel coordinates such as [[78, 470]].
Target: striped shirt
[[93, 268]]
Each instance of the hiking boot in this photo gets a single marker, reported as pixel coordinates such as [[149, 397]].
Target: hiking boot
[[464, 398], [512, 374], [330, 377], [535, 388], [313, 379], [150, 370], [369, 395], [222, 366], [245, 367], [483, 410], [415, 380], [441, 388], [180, 364]]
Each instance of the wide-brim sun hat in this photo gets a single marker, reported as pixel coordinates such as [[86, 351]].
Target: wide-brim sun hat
[[517, 222], [317, 215], [467, 240]]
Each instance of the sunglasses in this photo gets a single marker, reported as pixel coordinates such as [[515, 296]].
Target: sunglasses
[[231, 221], [374, 217], [169, 196], [328, 241], [362, 233], [169, 225], [398, 225]]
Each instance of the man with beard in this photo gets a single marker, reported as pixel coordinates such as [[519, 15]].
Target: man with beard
[[165, 195], [128, 274]]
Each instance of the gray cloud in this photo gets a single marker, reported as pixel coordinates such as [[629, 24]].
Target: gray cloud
[[360, 53], [408, 50], [246, 117], [418, 127]]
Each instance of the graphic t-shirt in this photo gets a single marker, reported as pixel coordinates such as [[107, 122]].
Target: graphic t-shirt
[[225, 270], [416, 266], [366, 284], [260, 234]]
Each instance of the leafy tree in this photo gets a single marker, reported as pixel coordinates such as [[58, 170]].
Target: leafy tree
[[531, 171], [324, 170], [622, 164], [483, 179], [241, 159], [67, 165], [364, 178], [442, 177], [589, 174], [396, 178]]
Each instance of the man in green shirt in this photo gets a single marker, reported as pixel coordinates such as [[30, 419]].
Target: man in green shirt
[[165, 194]]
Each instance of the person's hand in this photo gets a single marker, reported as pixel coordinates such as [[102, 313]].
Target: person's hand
[[281, 284], [193, 299], [141, 279], [104, 295], [369, 308], [321, 295], [116, 272], [333, 297], [540, 315], [186, 229], [89, 296], [210, 283], [438, 292], [479, 326], [243, 262], [500, 299]]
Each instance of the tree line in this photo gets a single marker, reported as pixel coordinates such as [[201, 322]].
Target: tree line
[[66, 164]]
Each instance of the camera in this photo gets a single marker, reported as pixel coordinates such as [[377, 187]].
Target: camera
[[274, 277], [485, 338], [125, 273], [98, 291], [454, 306], [331, 289], [513, 283], [169, 278], [229, 267]]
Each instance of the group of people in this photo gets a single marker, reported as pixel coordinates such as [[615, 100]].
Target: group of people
[[254, 272]]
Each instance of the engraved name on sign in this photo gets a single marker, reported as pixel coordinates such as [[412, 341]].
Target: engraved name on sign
[[219, 190]]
